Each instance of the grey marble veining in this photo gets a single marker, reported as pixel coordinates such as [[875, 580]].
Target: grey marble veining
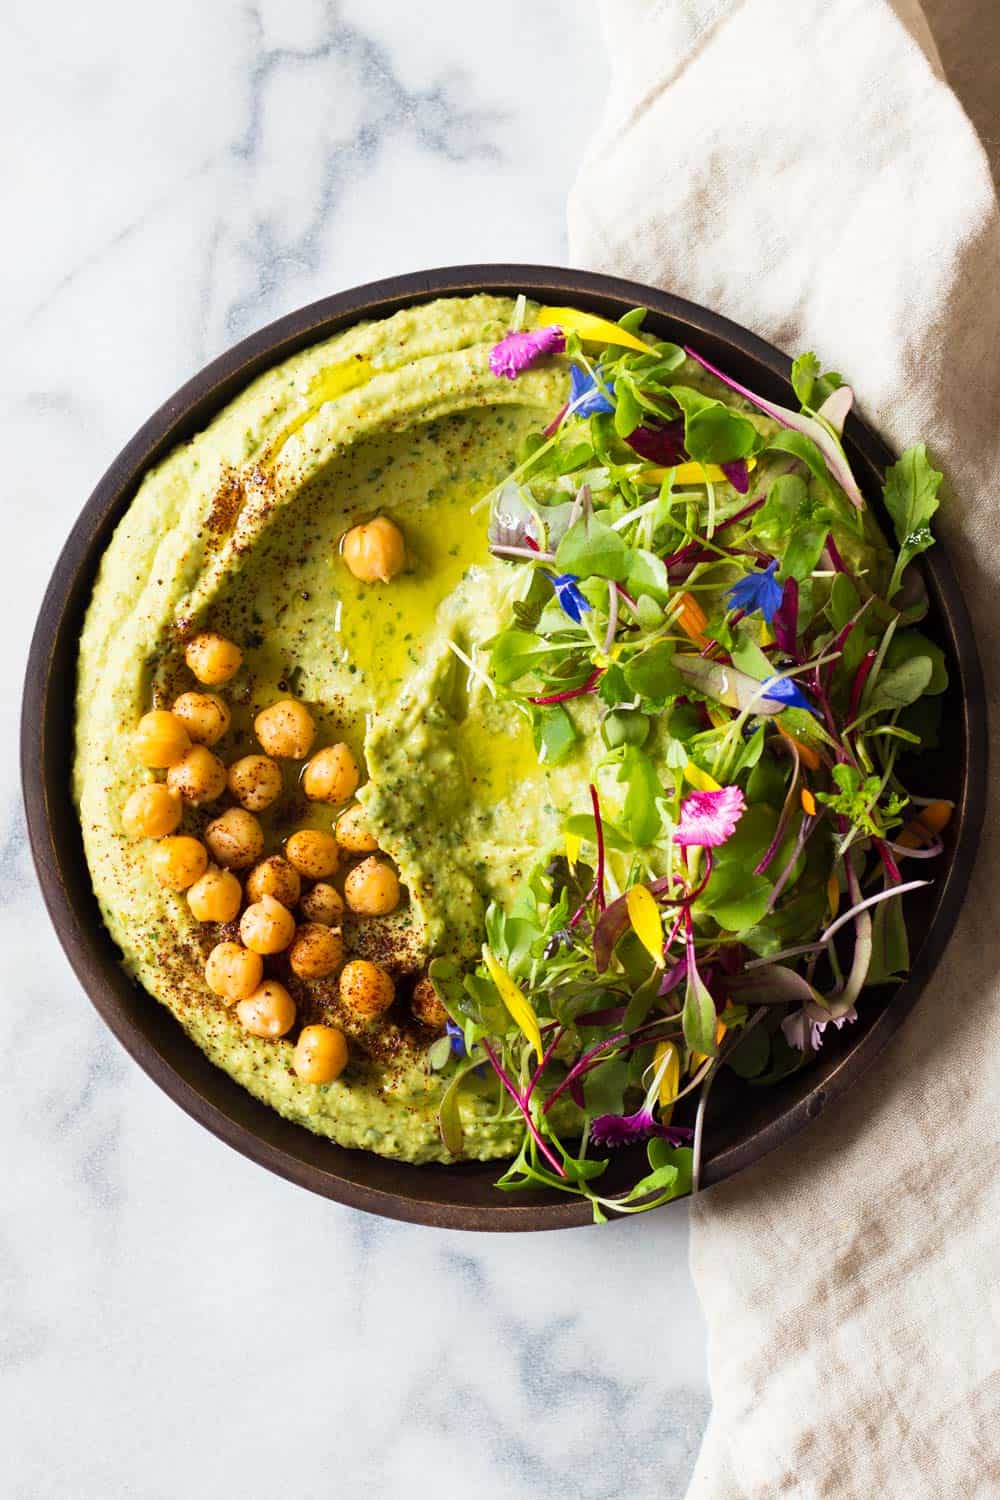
[[174, 1322]]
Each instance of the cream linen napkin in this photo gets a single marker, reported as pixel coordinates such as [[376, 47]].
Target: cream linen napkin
[[803, 168]]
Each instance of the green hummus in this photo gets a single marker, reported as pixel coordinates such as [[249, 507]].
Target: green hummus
[[237, 532]]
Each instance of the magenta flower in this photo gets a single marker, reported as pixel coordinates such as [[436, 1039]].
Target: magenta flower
[[625, 1130], [519, 350], [708, 819]]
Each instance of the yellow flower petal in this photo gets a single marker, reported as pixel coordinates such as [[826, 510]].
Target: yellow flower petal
[[689, 473], [573, 845], [644, 914], [591, 328], [718, 716], [519, 1007], [699, 779], [670, 1081]]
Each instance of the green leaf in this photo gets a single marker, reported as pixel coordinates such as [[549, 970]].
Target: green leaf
[[604, 1087], [897, 687], [593, 550], [514, 653], [450, 1118], [652, 674], [907, 644], [787, 503], [804, 372], [660, 1153], [749, 1057], [803, 549], [625, 726], [584, 827], [555, 734], [736, 898], [647, 574], [640, 813], [713, 432], [911, 498], [801, 447], [749, 658], [844, 601], [890, 958], [698, 1017], [628, 409]]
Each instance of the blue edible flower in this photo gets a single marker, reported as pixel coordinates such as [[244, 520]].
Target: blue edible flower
[[757, 591], [583, 385], [786, 691], [457, 1038], [570, 596]]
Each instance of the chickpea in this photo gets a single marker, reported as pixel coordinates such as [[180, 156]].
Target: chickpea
[[205, 716], [216, 897], [313, 853], [269, 1012], [286, 729], [255, 781], [426, 1006], [316, 952], [365, 988], [179, 861], [212, 658], [160, 739], [235, 838], [199, 777], [232, 972], [152, 811], [372, 888], [353, 832], [320, 1054], [323, 903], [375, 553], [332, 775], [267, 926], [274, 877]]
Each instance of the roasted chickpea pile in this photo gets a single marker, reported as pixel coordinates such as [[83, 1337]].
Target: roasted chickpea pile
[[286, 905]]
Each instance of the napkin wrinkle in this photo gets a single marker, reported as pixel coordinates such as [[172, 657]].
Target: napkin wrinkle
[[806, 170]]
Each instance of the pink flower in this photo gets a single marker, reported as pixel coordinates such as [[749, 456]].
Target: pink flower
[[519, 350], [709, 818]]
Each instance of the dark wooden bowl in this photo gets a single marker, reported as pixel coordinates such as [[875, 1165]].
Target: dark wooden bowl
[[743, 1123]]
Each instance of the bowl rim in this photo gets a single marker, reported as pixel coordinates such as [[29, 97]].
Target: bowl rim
[[215, 385]]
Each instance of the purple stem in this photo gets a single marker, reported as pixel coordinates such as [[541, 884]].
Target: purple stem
[[599, 827], [786, 813], [553, 1161], [577, 692]]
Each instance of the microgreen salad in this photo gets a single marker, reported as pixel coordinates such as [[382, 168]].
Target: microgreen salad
[[702, 604]]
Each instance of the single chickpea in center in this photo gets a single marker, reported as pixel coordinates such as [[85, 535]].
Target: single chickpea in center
[[152, 811], [286, 729], [316, 952], [269, 1012], [426, 1006], [160, 739], [313, 853], [235, 838], [366, 989], [332, 775], [216, 897], [179, 861], [375, 552], [274, 877], [212, 658], [267, 926], [205, 716], [372, 888], [353, 832], [255, 781], [199, 776], [232, 972], [323, 903], [320, 1054]]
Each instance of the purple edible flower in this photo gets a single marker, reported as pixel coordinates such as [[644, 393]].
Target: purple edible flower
[[519, 350], [625, 1130], [456, 1037], [584, 388], [661, 445], [786, 691], [569, 595], [759, 590], [738, 475]]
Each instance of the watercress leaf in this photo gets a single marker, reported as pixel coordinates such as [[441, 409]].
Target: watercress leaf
[[650, 613], [713, 432], [625, 726], [698, 1017], [660, 1153], [654, 1182], [803, 549], [737, 898], [555, 734], [647, 574], [514, 653], [896, 687], [612, 688], [907, 644], [640, 813], [593, 549], [652, 674]]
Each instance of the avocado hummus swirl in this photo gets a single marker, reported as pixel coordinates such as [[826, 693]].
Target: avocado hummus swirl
[[238, 531]]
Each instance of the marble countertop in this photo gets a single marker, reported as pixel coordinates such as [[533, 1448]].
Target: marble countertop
[[175, 1322]]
